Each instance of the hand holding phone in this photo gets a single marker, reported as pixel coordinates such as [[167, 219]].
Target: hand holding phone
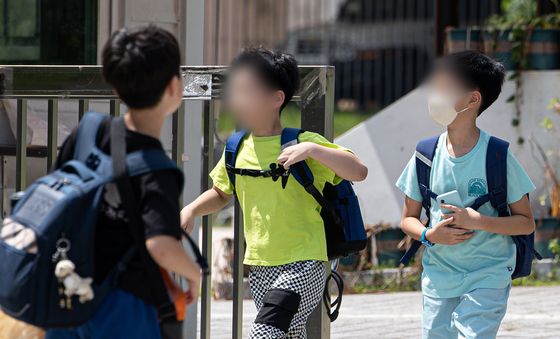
[[451, 198]]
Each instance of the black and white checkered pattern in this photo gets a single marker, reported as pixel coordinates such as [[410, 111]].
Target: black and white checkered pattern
[[307, 278]]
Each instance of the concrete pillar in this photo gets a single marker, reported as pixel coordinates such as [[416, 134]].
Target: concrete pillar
[[191, 39]]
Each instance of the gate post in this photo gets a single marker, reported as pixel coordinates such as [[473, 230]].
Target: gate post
[[191, 40], [317, 115]]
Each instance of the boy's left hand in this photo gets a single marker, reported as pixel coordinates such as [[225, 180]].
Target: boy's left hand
[[466, 218], [296, 153]]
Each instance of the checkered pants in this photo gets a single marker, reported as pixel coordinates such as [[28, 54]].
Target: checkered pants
[[306, 278]]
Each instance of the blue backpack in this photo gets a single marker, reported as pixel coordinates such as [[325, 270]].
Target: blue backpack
[[496, 177], [60, 211], [340, 210]]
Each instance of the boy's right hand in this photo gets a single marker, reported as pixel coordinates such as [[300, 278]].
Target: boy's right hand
[[443, 234], [187, 219], [192, 292]]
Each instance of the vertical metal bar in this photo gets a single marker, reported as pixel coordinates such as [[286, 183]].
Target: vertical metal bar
[[409, 54], [52, 132], [472, 12], [178, 136], [426, 42], [115, 107], [21, 145], [368, 73], [446, 13], [83, 107], [318, 116], [379, 84], [238, 252], [207, 164], [398, 58], [358, 69], [388, 76], [217, 33], [238, 285], [4, 206], [329, 104], [177, 141], [192, 37]]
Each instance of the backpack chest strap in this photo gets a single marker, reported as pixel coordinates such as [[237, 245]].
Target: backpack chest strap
[[274, 172]]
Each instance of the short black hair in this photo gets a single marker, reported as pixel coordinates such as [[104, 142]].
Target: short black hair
[[277, 70], [139, 63], [476, 71]]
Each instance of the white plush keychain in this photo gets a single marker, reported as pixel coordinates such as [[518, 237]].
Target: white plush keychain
[[73, 283]]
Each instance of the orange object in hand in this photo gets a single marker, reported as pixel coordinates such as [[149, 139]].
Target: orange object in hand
[[180, 298]]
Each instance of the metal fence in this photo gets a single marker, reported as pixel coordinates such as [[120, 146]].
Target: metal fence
[[382, 49], [85, 84]]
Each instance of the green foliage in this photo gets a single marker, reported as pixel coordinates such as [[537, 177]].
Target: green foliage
[[291, 117], [406, 283], [517, 13], [518, 19], [411, 282], [551, 195], [552, 279], [522, 15], [531, 280], [554, 247]]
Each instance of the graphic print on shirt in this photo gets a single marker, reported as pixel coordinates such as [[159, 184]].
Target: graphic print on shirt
[[477, 187], [111, 203]]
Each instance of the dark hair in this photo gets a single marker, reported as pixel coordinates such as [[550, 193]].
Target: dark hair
[[277, 70], [139, 64], [476, 71]]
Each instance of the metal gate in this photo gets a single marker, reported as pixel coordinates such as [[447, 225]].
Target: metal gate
[[53, 85]]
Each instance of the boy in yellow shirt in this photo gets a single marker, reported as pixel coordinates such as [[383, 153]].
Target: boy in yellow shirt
[[284, 231]]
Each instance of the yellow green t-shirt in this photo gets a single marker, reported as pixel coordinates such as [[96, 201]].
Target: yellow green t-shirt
[[281, 225]]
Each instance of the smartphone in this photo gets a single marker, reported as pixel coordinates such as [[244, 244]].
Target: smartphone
[[450, 198]]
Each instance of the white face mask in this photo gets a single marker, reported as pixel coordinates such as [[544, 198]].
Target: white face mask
[[442, 108]]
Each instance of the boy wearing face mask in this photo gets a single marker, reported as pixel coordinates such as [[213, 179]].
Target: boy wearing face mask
[[469, 254]]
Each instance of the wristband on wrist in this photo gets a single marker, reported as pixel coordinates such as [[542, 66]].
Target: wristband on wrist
[[423, 239]]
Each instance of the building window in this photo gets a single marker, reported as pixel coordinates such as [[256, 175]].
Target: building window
[[19, 31], [48, 31]]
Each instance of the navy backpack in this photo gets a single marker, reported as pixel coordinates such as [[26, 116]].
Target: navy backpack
[[340, 210], [496, 177], [60, 210]]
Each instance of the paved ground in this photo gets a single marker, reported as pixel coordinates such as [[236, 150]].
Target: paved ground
[[533, 313]]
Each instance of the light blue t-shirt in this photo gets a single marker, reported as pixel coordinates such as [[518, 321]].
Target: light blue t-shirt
[[487, 259]]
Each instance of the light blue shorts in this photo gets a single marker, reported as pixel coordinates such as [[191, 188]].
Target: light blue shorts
[[476, 314]]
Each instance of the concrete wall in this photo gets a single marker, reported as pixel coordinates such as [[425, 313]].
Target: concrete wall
[[113, 15], [387, 140]]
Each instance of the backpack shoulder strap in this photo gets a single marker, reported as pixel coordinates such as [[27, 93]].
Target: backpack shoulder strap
[[300, 171], [425, 151], [151, 160], [87, 133], [233, 145], [496, 174]]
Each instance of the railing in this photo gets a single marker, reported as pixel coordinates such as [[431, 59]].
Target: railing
[[382, 49], [85, 84]]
